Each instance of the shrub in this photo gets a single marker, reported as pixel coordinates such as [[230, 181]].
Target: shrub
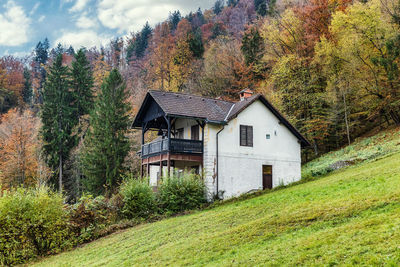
[[32, 222], [138, 198], [90, 216], [177, 194]]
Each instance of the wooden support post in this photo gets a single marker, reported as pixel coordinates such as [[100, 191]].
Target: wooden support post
[[202, 149], [141, 169], [141, 166], [160, 167], [168, 119], [169, 164], [148, 169], [202, 137]]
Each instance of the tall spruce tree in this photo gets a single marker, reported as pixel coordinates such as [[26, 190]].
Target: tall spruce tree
[[196, 43], [252, 46], [27, 90], [218, 6], [173, 19], [138, 47], [260, 7], [58, 119], [107, 145], [82, 86], [40, 59]]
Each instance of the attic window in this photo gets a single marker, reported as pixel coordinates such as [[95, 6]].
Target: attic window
[[268, 136], [246, 135]]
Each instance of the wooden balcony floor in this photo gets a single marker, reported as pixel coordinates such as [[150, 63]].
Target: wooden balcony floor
[[172, 157]]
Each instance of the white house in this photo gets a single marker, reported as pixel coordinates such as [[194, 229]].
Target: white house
[[237, 147]]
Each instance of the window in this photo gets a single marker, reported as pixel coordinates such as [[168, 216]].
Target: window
[[195, 132], [179, 133], [246, 135]]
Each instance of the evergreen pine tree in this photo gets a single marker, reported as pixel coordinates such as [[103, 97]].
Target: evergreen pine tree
[[70, 50], [260, 7], [252, 46], [218, 6], [40, 59], [58, 119], [232, 3], [139, 45], [107, 145], [27, 90], [81, 85], [196, 43], [174, 18]]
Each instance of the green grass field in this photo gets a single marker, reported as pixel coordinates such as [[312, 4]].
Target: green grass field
[[348, 217]]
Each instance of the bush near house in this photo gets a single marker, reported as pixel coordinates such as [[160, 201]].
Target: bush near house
[[177, 194], [32, 222], [36, 222], [138, 199], [91, 215]]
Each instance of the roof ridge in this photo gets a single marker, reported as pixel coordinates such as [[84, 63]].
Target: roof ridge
[[229, 112], [187, 94]]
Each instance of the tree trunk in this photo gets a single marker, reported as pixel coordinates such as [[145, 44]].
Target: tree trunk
[[346, 119], [60, 174], [394, 116], [315, 147]]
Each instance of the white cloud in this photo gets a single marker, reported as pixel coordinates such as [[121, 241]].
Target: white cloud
[[82, 38], [79, 5], [35, 7], [14, 25], [41, 18], [63, 2], [85, 22], [128, 16]]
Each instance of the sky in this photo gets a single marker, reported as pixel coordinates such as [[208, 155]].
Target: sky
[[23, 23]]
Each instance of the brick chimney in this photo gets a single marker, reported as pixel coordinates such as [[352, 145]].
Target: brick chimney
[[246, 93]]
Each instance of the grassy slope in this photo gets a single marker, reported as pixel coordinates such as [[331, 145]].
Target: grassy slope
[[350, 216], [364, 149]]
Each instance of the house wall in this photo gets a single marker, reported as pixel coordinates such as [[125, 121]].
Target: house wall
[[186, 124], [240, 168], [209, 158]]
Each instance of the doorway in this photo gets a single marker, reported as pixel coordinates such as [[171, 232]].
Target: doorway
[[267, 176]]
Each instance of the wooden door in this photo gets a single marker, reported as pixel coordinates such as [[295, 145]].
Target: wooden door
[[267, 177]]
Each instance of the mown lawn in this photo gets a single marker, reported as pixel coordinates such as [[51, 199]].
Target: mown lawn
[[349, 217]]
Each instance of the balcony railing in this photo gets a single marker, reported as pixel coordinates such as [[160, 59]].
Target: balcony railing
[[176, 146]]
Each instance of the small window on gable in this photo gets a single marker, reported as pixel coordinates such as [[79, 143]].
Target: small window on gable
[[246, 135]]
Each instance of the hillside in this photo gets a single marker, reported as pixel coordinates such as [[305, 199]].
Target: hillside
[[349, 216], [368, 149]]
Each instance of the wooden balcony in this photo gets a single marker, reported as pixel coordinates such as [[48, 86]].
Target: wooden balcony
[[178, 146]]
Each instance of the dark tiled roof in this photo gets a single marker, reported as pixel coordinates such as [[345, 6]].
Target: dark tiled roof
[[211, 110], [241, 105], [191, 105]]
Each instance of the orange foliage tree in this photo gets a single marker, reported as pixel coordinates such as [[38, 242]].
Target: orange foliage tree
[[160, 62], [19, 147]]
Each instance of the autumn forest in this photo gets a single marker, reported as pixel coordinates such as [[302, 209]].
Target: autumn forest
[[330, 66]]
